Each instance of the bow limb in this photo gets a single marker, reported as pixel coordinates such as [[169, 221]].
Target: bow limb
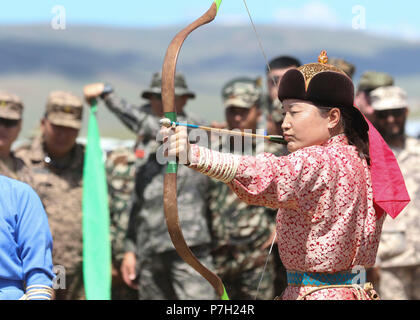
[[170, 181]]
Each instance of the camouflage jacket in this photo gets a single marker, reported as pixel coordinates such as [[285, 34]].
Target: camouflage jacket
[[15, 168], [274, 109], [147, 232], [139, 119], [234, 223], [400, 240], [142, 121], [120, 169], [59, 185]]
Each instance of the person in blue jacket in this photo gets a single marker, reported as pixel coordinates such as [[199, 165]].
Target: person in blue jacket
[[26, 269]]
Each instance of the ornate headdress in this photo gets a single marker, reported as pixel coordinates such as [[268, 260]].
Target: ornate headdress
[[320, 83]]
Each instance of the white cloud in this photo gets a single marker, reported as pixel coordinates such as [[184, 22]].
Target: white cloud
[[402, 31], [409, 32], [311, 14]]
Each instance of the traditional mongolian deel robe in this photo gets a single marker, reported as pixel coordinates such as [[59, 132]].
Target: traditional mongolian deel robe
[[326, 221]]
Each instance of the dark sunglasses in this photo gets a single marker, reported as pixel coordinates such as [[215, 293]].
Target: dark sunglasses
[[8, 123], [396, 113]]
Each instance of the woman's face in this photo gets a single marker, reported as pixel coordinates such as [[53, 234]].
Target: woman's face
[[305, 126]]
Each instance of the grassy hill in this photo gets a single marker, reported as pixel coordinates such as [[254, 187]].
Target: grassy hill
[[36, 59]]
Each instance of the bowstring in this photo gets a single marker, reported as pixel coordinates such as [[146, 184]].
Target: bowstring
[[259, 40], [274, 82], [265, 265]]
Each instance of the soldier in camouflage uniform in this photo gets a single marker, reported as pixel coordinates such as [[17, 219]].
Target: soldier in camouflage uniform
[[369, 81], [344, 65], [56, 163], [241, 232], [399, 248], [120, 169], [11, 109], [270, 104], [151, 265]]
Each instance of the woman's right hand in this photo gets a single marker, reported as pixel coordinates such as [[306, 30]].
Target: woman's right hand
[[177, 144]]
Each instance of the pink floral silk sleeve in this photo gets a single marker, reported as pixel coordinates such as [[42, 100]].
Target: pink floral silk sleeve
[[267, 180]]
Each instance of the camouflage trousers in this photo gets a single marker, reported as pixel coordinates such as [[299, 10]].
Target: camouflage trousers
[[166, 276], [400, 283], [241, 271]]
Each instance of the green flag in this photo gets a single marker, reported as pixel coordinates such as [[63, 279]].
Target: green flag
[[96, 237]]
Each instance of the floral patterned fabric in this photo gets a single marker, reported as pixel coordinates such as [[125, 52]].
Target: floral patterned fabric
[[326, 221]]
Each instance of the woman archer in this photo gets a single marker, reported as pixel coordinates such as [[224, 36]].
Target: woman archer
[[328, 219]]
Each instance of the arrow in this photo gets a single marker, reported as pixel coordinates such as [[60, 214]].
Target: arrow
[[272, 138]]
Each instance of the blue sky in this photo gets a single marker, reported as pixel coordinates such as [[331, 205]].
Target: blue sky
[[385, 17]]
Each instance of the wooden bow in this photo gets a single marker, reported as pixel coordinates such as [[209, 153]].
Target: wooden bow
[[170, 181]]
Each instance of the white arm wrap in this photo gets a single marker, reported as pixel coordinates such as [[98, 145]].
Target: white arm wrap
[[220, 166]]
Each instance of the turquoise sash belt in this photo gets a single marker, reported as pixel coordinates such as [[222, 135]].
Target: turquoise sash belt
[[317, 279]]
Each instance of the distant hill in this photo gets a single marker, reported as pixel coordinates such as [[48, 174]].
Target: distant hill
[[37, 59]]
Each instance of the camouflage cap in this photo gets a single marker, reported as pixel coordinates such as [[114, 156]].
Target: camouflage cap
[[371, 80], [388, 98], [64, 109], [242, 92], [11, 107], [181, 88], [277, 113], [344, 65]]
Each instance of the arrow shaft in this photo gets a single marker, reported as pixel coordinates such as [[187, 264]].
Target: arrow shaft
[[231, 132]]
